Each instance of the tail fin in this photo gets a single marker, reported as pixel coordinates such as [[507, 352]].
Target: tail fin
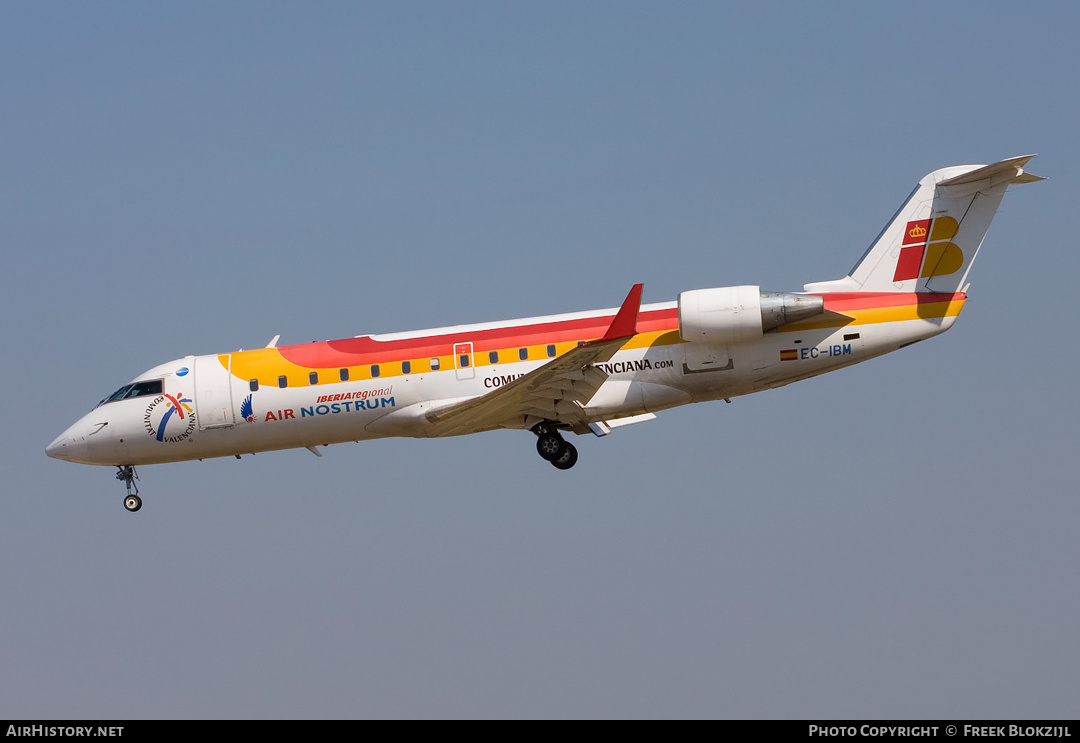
[[933, 239]]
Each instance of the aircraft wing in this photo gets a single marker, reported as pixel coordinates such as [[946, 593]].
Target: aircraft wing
[[556, 391]]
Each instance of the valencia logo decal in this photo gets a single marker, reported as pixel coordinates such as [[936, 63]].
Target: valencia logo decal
[[169, 407]]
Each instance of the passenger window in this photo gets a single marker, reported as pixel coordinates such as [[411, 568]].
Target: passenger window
[[313, 378], [523, 353], [343, 375], [282, 381], [493, 357], [406, 367], [464, 359], [374, 370], [253, 385], [435, 364], [551, 350]]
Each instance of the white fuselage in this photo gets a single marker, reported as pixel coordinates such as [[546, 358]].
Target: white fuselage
[[208, 406]]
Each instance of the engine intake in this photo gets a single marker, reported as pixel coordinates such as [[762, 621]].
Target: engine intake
[[735, 314]]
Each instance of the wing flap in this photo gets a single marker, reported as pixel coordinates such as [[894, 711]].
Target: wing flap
[[556, 391]]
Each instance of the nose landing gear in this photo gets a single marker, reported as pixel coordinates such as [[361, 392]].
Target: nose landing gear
[[128, 476], [551, 446]]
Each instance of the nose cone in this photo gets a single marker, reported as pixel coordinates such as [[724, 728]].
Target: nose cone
[[58, 449], [71, 445], [67, 447]]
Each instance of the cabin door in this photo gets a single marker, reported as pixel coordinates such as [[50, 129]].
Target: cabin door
[[213, 391], [463, 360]]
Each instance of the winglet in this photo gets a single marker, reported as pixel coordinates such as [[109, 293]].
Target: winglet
[[625, 323]]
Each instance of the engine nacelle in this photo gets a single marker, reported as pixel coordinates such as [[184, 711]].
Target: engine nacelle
[[736, 314]]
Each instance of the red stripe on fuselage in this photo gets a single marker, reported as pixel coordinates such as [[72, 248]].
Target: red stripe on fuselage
[[365, 350], [845, 302]]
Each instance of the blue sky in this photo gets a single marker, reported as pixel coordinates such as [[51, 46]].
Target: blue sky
[[893, 540]]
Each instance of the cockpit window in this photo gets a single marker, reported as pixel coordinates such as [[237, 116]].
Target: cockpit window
[[137, 389]]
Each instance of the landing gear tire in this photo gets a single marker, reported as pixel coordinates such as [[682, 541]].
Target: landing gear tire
[[550, 446], [567, 459], [127, 475]]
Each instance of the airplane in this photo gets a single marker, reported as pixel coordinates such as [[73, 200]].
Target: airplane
[[583, 372]]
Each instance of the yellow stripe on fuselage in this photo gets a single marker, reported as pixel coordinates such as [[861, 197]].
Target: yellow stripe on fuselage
[[267, 364], [871, 316]]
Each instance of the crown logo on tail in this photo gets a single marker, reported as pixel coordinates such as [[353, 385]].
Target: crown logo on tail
[[917, 260]]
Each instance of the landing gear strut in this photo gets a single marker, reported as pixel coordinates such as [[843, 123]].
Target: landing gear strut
[[554, 448], [128, 476]]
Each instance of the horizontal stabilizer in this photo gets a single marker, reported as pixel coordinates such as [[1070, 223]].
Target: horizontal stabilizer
[[1011, 171]]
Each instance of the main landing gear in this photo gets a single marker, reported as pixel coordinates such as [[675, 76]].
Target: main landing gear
[[128, 476], [554, 448]]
